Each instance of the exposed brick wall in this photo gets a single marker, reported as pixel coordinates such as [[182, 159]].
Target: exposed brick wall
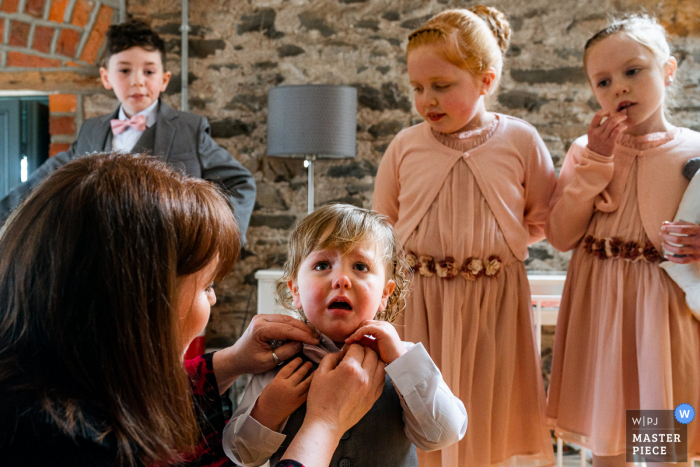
[[64, 121], [63, 103], [54, 33], [55, 46], [9, 6]]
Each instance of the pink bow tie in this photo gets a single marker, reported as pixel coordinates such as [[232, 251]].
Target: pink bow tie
[[137, 122]]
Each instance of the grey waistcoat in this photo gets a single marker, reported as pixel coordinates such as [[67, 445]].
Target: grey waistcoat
[[378, 440]]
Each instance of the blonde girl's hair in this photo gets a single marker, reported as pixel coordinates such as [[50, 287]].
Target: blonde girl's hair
[[344, 227], [473, 40], [641, 28]]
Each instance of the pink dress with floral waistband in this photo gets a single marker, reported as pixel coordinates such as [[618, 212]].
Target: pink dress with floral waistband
[[478, 330], [625, 339]]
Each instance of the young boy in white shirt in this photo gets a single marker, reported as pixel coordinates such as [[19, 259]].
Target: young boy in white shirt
[[346, 276], [135, 70]]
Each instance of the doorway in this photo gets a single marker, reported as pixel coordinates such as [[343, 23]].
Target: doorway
[[24, 138]]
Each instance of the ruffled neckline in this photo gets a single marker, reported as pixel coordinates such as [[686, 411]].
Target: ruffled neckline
[[467, 140], [648, 141]]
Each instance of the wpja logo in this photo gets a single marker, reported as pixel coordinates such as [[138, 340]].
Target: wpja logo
[[658, 435], [684, 413]]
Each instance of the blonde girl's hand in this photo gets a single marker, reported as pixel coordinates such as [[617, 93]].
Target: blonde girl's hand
[[603, 132], [381, 337], [681, 238], [285, 393]]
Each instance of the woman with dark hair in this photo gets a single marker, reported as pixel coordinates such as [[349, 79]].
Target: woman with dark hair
[[106, 276]]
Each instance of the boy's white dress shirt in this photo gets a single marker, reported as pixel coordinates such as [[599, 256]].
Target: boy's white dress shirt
[[126, 140], [434, 418]]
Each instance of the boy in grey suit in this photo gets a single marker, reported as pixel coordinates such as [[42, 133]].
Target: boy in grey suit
[[135, 60]]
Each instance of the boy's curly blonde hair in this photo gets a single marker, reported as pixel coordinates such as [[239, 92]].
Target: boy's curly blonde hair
[[344, 226]]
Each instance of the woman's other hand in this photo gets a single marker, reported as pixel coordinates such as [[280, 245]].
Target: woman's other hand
[[681, 241], [252, 353]]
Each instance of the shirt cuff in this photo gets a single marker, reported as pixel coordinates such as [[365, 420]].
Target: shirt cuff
[[249, 431], [594, 156], [411, 368]]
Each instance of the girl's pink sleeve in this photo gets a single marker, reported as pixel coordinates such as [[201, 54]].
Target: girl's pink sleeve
[[386, 184], [540, 181], [584, 175]]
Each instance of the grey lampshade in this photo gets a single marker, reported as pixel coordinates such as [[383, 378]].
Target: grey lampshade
[[312, 119]]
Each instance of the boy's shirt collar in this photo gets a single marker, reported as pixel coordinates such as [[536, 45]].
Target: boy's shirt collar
[[315, 353], [149, 112]]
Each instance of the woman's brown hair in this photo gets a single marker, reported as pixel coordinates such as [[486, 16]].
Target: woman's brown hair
[[89, 269]]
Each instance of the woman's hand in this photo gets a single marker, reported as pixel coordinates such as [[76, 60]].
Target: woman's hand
[[252, 353], [602, 136], [684, 234], [345, 386], [384, 339]]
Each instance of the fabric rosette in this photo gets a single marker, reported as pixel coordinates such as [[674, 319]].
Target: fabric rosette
[[426, 265], [649, 252], [492, 266], [447, 269], [630, 251], [412, 261], [472, 268], [613, 247]]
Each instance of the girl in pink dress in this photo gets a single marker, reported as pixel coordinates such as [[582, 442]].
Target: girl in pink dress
[[468, 191], [625, 338]]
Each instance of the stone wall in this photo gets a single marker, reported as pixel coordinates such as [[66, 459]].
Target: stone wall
[[239, 49]]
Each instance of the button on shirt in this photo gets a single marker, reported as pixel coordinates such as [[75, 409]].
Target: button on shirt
[[126, 140]]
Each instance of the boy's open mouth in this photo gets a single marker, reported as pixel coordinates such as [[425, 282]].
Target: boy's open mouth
[[340, 305], [625, 105]]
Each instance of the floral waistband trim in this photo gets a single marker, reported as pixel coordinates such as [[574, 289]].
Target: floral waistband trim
[[613, 247], [447, 268]]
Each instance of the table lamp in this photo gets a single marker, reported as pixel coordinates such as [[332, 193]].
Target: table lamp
[[313, 121]]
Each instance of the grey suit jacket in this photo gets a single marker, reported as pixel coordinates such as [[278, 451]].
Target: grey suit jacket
[[182, 139]]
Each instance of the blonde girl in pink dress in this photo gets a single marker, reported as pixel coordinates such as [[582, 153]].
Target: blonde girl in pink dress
[[625, 337], [468, 190]]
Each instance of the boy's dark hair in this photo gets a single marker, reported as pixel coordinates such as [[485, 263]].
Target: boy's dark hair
[[133, 33]]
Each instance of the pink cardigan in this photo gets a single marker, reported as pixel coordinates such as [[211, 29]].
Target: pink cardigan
[[513, 169], [590, 182]]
